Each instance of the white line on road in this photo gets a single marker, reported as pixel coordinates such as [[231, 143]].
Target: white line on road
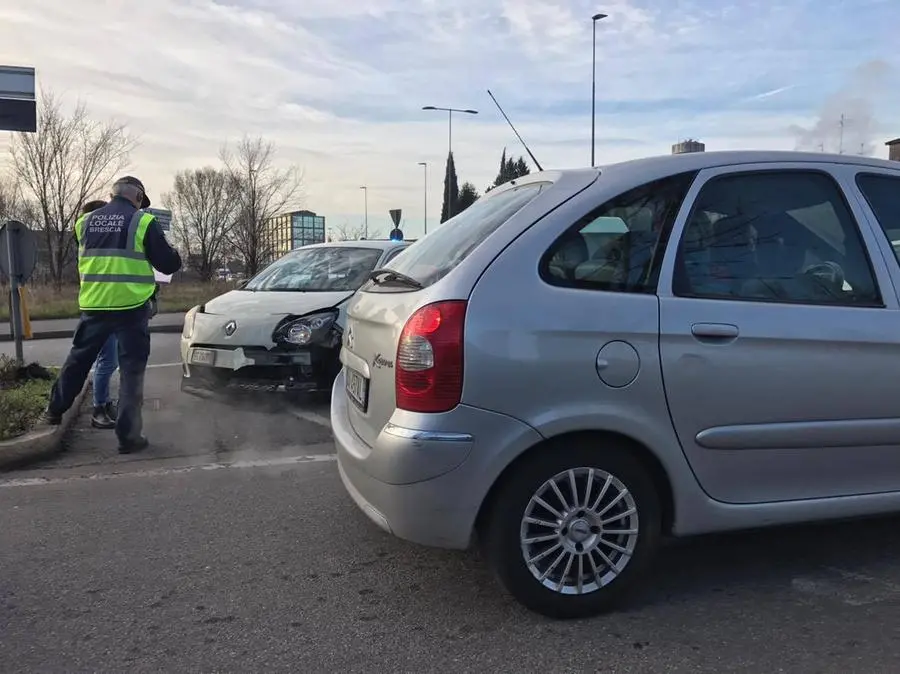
[[157, 472], [312, 417], [149, 365]]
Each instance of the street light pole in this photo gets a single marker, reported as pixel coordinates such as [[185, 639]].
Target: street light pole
[[594, 20], [424, 165], [366, 197], [449, 112]]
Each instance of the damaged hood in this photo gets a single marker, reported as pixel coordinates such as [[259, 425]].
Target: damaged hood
[[237, 303], [256, 314]]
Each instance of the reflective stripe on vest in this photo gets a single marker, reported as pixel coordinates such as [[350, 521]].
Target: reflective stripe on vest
[[115, 278]]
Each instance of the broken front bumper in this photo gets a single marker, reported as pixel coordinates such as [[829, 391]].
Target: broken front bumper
[[215, 367]]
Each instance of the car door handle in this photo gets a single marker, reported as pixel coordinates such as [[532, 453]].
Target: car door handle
[[718, 332]]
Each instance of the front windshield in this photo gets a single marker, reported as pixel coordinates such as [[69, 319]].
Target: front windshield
[[319, 269]]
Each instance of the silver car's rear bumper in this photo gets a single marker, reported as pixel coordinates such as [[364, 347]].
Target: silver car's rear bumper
[[426, 487]]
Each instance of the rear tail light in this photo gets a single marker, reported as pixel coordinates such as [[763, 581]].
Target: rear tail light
[[429, 373]]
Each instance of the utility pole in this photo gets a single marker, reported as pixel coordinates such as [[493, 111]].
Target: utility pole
[[450, 112], [594, 20], [365, 190], [424, 166], [841, 144]]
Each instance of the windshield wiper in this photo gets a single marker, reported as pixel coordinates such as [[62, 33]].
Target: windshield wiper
[[390, 276]]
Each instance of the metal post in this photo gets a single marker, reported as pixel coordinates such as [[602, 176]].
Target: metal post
[[365, 190], [15, 317], [449, 112], [424, 166], [449, 154], [594, 20], [594, 97]]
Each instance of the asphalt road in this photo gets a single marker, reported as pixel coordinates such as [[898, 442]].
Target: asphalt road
[[230, 546], [163, 350]]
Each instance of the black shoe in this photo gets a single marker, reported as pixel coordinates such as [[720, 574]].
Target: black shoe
[[50, 418], [101, 419], [132, 446]]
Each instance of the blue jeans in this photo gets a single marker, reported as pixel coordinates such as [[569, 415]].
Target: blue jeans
[[132, 331], [106, 364]]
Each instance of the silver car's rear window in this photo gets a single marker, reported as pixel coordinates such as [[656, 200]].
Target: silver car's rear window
[[430, 259]]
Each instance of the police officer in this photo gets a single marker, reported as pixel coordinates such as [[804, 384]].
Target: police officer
[[119, 245]]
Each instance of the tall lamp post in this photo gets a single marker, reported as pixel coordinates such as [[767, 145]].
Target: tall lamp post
[[366, 197], [449, 112], [594, 20], [424, 165]]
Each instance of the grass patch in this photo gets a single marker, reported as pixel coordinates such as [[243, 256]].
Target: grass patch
[[24, 392], [46, 302]]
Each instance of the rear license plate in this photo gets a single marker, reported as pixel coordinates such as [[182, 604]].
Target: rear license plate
[[203, 357], [357, 388]]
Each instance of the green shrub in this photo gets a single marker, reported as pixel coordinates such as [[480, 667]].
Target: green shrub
[[23, 396]]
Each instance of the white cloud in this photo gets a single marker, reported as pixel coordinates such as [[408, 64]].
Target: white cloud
[[339, 86]]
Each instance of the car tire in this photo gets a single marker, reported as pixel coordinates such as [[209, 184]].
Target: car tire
[[506, 536]]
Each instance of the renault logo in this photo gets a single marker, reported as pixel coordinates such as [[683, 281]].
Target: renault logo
[[230, 327]]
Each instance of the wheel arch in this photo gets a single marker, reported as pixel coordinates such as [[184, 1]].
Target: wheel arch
[[645, 455]]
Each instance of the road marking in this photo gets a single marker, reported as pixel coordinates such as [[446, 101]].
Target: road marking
[[158, 472], [313, 417], [149, 366]]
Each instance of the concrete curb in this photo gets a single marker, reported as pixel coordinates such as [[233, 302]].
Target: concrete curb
[[65, 334], [43, 442]]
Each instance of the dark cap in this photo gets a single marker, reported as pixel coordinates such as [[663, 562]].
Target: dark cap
[[91, 206], [134, 182]]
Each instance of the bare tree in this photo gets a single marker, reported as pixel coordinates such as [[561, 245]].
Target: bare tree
[[12, 204], [348, 232], [204, 204], [263, 191], [68, 160]]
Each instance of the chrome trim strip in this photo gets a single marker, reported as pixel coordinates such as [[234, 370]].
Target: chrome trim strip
[[426, 436]]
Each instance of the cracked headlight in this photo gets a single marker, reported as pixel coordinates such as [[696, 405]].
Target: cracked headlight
[[306, 330]]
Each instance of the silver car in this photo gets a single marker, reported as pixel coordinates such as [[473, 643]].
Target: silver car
[[586, 361]]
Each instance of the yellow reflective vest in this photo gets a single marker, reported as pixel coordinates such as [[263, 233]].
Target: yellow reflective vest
[[114, 279]]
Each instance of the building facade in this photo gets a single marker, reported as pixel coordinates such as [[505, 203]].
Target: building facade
[[689, 145], [288, 231], [894, 149]]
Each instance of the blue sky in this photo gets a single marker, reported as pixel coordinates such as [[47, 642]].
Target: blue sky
[[339, 86]]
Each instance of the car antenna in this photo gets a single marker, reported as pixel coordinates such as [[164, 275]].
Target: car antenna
[[533, 158]]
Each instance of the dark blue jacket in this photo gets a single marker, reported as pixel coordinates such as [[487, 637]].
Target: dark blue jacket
[[160, 254]]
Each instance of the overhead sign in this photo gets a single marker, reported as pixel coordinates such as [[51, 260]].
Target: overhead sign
[[18, 105], [163, 217], [395, 216]]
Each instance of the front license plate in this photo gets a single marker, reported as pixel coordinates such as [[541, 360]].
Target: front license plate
[[203, 357], [357, 388]]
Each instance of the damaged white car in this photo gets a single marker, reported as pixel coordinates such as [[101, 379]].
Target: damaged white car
[[282, 329]]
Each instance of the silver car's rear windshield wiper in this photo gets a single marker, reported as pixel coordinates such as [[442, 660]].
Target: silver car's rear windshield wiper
[[390, 276]]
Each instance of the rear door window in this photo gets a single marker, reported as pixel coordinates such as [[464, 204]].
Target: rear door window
[[429, 260], [883, 194], [618, 246]]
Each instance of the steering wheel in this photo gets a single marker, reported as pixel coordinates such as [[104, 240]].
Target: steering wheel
[[829, 274]]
